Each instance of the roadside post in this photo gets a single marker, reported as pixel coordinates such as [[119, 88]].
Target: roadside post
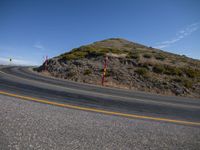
[[104, 70], [10, 61]]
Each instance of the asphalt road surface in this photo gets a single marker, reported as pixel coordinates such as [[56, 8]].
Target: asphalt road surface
[[170, 115], [26, 125]]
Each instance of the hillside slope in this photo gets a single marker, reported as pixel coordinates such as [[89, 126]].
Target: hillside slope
[[130, 65]]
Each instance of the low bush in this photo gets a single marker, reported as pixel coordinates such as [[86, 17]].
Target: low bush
[[158, 69], [183, 81], [187, 83], [87, 72], [89, 51], [142, 71], [160, 57], [133, 56], [171, 70], [191, 73], [71, 74], [145, 65], [74, 55], [147, 56], [168, 70]]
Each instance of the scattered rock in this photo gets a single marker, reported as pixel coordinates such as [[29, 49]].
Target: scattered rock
[[124, 58]]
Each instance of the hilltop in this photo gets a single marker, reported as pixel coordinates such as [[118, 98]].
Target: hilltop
[[130, 65]]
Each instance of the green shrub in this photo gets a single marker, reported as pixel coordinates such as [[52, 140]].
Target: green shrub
[[160, 57], [87, 72], [90, 51], [133, 56], [147, 56], [173, 61], [187, 83], [145, 65], [95, 54], [191, 73], [71, 74], [166, 69], [171, 70], [74, 55], [183, 81], [142, 71], [69, 57], [178, 80], [158, 69], [115, 51]]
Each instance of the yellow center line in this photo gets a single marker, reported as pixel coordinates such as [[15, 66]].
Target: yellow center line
[[100, 94], [99, 110]]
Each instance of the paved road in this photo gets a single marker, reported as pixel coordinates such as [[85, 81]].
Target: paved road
[[26, 125], [31, 125], [23, 81]]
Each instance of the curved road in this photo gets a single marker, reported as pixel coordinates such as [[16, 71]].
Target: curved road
[[24, 82]]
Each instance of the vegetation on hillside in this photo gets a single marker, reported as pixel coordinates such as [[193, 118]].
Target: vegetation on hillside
[[154, 67]]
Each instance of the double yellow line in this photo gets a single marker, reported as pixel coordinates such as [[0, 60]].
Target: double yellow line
[[99, 110]]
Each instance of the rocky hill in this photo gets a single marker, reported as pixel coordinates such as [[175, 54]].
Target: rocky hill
[[130, 65]]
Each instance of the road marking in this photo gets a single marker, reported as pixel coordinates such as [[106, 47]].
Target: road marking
[[101, 94], [99, 110]]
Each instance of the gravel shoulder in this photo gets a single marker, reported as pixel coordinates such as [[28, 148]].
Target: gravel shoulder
[[30, 125]]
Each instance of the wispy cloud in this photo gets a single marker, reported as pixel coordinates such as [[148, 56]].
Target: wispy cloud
[[180, 35], [38, 45]]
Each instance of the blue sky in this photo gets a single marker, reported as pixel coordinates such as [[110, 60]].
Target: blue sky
[[32, 29]]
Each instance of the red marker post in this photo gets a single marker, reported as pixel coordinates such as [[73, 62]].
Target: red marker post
[[104, 70]]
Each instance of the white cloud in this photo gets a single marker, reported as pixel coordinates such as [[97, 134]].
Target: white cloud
[[38, 46], [179, 35]]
